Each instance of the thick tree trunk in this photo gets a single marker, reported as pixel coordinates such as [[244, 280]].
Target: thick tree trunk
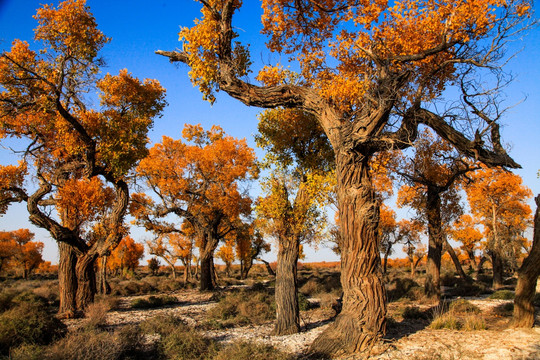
[[287, 311], [102, 284], [456, 262], [362, 321], [432, 285], [480, 266], [187, 270], [498, 270], [206, 282], [86, 281], [527, 277], [67, 281]]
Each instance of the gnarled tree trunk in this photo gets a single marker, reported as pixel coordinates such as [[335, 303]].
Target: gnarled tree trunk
[[269, 269], [527, 277], [103, 286], [86, 281], [67, 280], [362, 321], [432, 285], [287, 311]]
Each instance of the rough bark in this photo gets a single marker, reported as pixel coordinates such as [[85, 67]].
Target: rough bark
[[362, 321], [456, 262], [269, 269], [498, 270], [86, 281], [67, 281], [206, 282], [480, 266], [102, 285], [527, 278], [287, 311], [432, 285]]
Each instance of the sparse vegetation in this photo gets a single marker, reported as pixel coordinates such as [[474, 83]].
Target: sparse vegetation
[[242, 350], [153, 301], [243, 307], [502, 295]]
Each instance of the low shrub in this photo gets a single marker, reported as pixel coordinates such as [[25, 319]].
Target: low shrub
[[414, 312], [153, 302], [303, 303], [502, 295], [311, 287], [96, 313], [505, 309], [474, 322], [28, 323], [243, 307], [161, 325], [464, 306], [185, 343], [89, 344], [251, 351], [446, 321], [404, 288], [28, 352]]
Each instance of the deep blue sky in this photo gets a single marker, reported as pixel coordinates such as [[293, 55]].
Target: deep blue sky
[[138, 28]]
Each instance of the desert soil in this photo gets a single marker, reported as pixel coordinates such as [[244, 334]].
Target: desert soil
[[406, 340]]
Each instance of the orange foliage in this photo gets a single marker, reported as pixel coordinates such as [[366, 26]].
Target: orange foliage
[[498, 201], [126, 255], [18, 251]]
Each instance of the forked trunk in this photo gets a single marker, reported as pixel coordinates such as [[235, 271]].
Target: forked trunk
[[527, 277], [86, 281], [362, 321], [287, 311], [67, 281], [498, 269], [432, 285]]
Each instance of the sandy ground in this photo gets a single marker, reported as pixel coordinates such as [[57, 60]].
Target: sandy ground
[[406, 340]]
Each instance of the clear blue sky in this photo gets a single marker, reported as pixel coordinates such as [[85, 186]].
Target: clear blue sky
[[138, 28]]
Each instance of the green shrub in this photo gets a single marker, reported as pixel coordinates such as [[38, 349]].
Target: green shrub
[[243, 307], [404, 288], [414, 312], [502, 295], [28, 323], [28, 352], [303, 303], [185, 343], [311, 287], [161, 325], [464, 306], [251, 351], [505, 309], [153, 302], [88, 344]]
